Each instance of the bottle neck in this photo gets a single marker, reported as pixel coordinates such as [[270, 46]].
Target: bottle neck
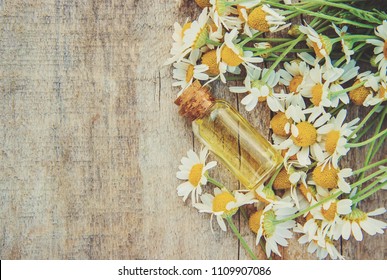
[[195, 101]]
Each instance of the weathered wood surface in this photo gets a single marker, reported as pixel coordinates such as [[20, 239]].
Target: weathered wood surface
[[90, 139]]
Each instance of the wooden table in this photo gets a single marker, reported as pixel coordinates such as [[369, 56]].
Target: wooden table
[[90, 139]]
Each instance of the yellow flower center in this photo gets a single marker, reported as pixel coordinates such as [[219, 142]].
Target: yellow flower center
[[190, 73], [317, 91], [385, 49], [203, 3], [282, 181], [307, 134], [220, 202], [331, 141], [278, 123], [257, 20], [254, 221], [196, 174], [330, 213], [326, 178], [209, 59], [294, 83], [359, 94], [186, 26], [230, 57]]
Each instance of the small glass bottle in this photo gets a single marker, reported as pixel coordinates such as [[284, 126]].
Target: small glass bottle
[[246, 153]]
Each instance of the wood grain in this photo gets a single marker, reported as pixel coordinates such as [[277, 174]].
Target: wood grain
[[90, 138]]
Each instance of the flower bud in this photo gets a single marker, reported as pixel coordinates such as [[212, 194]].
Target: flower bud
[[294, 30]]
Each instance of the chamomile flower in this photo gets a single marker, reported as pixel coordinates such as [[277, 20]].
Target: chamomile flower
[[280, 124], [195, 36], [345, 45], [244, 16], [210, 60], [178, 44], [328, 218], [379, 96], [186, 70], [305, 138], [223, 204], [259, 87], [328, 177], [266, 195], [316, 88], [294, 77], [193, 169], [273, 232], [222, 14], [264, 18], [336, 139], [327, 244], [369, 83], [338, 77], [321, 44], [381, 48], [230, 55], [358, 220], [319, 245]]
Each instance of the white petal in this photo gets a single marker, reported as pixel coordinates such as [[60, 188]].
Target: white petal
[[346, 230], [357, 232]]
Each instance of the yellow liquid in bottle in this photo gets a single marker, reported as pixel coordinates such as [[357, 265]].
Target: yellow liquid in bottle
[[248, 155]]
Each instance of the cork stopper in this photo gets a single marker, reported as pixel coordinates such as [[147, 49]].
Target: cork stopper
[[194, 101]]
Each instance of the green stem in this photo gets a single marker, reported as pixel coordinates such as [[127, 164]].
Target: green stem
[[279, 59], [363, 131], [248, 39], [369, 177], [370, 140], [342, 6], [337, 109], [272, 39], [378, 146], [241, 239], [335, 19], [215, 182], [371, 147], [360, 198], [333, 196], [274, 176], [266, 51], [337, 93], [370, 186], [358, 47], [364, 121], [368, 167]]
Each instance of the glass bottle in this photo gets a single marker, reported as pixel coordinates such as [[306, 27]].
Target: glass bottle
[[241, 148]]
